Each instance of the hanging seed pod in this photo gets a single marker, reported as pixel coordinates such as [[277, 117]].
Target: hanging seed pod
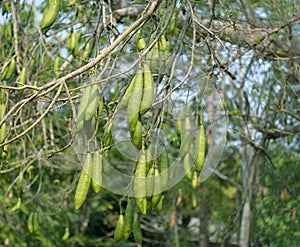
[[148, 90], [128, 218], [185, 135], [23, 75], [163, 167], [137, 231], [159, 205], [93, 102], [119, 229], [187, 166], [97, 172], [194, 181], [200, 147], [157, 188], [134, 101], [84, 182], [140, 184], [137, 135], [50, 15]]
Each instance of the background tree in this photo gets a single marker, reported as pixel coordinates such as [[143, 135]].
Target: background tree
[[239, 58]]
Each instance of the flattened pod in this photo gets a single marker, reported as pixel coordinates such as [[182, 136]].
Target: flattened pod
[[185, 136], [107, 135], [137, 135], [127, 94], [119, 229], [86, 52], [66, 235], [187, 166], [93, 102], [148, 90], [194, 180], [9, 70], [180, 119], [2, 131], [194, 199], [128, 218], [77, 38], [97, 172], [134, 101], [139, 40], [137, 231], [157, 188], [50, 15], [23, 75], [164, 166], [84, 182], [200, 149], [69, 41], [56, 67], [150, 181], [36, 222], [159, 205], [81, 111], [140, 184], [30, 223]]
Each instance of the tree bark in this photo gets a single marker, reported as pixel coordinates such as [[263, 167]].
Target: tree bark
[[203, 214], [245, 225]]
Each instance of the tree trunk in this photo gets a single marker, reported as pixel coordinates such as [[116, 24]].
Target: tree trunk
[[245, 225], [203, 214]]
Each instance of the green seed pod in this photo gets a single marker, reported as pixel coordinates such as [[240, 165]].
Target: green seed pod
[[23, 75], [164, 44], [185, 136], [128, 218], [97, 172], [17, 206], [164, 172], [136, 136], [157, 188], [148, 90], [150, 184], [194, 180], [81, 111], [66, 235], [140, 188], [84, 182], [2, 105], [6, 8], [75, 42], [159, 205], [56, 67], [30, 223], [200, 149], [139, 40], [187, 166], [69, 41], [36, 222], [119, 229], [180, 119], [2, 131], [173, 23], [93, 102], [134, 101], [86, 52], [194, 199], [127, 94], [50, 15], [107, 136], [9, 70], [137, 231]]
